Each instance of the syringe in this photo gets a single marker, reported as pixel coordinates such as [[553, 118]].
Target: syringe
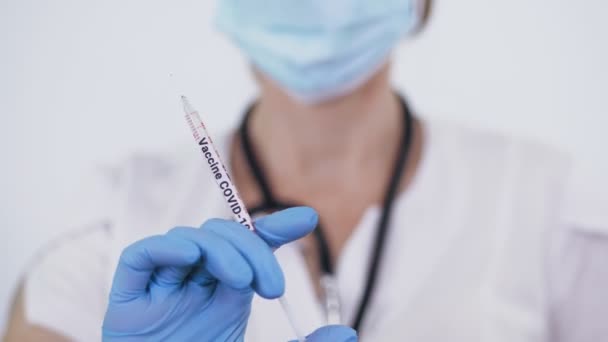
[[227, 187]]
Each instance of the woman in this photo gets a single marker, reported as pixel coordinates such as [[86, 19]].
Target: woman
[[427, 231]]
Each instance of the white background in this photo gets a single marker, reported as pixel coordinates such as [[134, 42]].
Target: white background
[[82, 83]]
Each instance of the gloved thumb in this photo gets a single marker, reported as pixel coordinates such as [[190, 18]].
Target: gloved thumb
[[286, 226], [333, 333]]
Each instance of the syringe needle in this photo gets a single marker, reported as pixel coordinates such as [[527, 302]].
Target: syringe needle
[[187, 106]]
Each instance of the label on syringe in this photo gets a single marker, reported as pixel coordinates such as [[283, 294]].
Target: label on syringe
[[220, 174], [225, 185]]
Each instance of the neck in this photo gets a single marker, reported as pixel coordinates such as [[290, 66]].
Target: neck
[[344, 134]]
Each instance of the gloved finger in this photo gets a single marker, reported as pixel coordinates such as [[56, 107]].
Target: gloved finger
[[170, 276], [220, 258], [268, 280], [201, 276], [333, 333], [139, 260], [286, 226]]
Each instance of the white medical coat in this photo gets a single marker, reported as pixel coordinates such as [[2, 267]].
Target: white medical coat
[[493, 241]]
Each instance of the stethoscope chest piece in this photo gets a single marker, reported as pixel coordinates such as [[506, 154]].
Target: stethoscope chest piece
[[331, 298]]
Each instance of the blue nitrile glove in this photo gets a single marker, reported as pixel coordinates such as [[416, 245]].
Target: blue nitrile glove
[[333, 333], [196, 284]]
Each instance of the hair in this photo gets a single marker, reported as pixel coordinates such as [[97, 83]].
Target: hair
[[426, 15]]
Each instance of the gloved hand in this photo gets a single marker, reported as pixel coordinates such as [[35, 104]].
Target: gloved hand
[[196, 284]]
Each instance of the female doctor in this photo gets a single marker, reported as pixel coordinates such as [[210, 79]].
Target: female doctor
[[424, 231]]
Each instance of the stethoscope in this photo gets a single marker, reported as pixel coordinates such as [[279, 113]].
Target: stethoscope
[[328, 281]]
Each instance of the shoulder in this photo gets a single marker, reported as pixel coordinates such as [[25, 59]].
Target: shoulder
[[495, 163], [485, 146], [172, 165], [579, 190], [122, 192]]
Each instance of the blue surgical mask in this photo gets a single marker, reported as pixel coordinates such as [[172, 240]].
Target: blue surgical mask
[[317, 50]]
